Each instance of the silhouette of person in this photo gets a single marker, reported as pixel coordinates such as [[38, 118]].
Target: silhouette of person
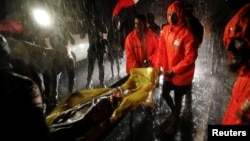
[[151, 23], [177, 55], [97, 34], [237, 43], [21, 103], [194, 24], [114, 47], [63, 61]]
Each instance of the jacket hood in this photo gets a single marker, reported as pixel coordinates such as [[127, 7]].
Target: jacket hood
[[177, 7], [238, 26]]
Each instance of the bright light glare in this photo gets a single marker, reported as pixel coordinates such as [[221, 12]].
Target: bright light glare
[[42, 17]]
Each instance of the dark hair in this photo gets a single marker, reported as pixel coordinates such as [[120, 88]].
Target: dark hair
[[150, 16], [141, 17]]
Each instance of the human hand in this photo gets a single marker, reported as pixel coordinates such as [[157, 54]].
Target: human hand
[[246, 106], [169, 74], [147, 63]]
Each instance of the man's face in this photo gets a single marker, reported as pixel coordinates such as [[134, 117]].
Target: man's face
[[139, 26], [172, 18], [239, 54]]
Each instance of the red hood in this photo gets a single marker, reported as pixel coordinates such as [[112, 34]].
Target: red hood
[[238, 26], [177, 7]]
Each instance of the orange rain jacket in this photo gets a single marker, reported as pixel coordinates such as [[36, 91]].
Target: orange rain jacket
[[177, 50], [238, 27], [135, 52]]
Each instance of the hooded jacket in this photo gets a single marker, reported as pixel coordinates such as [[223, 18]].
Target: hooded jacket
[[238, 27], [177, 51], [135, 50]]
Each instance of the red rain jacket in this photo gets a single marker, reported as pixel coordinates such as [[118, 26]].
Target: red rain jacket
[[177, 50], [240, 93], [135, 52], [238, 27]]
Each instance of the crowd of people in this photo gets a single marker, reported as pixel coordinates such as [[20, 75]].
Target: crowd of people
[[172, 49]]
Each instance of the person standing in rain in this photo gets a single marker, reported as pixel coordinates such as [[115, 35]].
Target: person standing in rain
[[21, 103], [97, 34], [151, 23], [62, 62], [236, 40], [194, 24], [114, 48], [177, 56], [140, 45]]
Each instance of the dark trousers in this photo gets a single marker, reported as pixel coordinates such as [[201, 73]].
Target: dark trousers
[[175, 103], [95, 52]]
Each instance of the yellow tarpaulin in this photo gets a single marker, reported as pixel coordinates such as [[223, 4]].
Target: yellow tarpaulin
[[141, 83]]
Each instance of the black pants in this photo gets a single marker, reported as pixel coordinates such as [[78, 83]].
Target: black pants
[[52, 77], [96, 51], [179, 91]]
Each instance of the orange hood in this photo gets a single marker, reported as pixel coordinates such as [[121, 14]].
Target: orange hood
[[177, 7], [238, 26]]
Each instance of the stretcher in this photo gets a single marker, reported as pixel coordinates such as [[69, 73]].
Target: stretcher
[[91, 114]]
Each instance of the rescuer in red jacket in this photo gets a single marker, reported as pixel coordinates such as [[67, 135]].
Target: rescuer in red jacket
[[237, 42], [140, 45], [177, 56]]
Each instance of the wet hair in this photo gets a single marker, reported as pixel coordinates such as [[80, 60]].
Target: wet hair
[[141, 17]]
